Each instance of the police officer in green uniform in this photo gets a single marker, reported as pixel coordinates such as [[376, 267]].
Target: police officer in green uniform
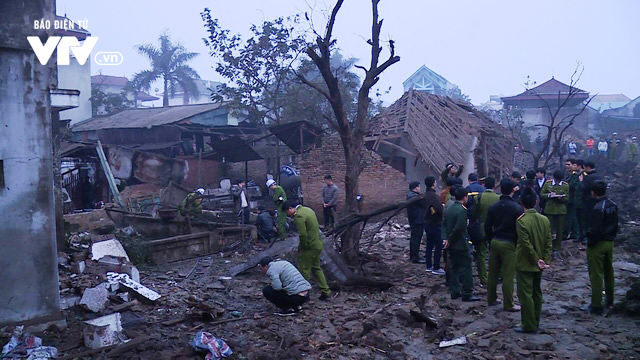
[[533, 254], [310, 245], [456, 241], [601, 233], [191, 206], [279, 197], [573, 179], [480, 208], [556, 191]]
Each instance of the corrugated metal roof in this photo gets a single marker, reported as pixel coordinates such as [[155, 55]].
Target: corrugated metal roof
[[144, 118]]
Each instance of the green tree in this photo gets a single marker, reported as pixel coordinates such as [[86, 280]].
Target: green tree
[[169, 65], [259, 68], [308, 104], [456, 93], [103, 103]]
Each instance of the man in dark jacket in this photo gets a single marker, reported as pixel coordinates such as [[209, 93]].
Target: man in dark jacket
[[241, 201], [416, 215], [433, 226], [517, 178], [456, 240], [588, 177], [474, 188], [329, 201], [602, 231], [541, 179], [267, 224], [451, 170], [500, 229]]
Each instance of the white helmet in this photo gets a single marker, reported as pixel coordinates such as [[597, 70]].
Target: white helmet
[[270, 182], [200, 191]]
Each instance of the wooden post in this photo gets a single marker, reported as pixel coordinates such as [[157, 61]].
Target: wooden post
[[485, 155], [110, 179], [200, 169], [301, 142]]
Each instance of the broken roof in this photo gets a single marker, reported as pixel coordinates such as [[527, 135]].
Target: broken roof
[[290, 134], [233, 149], [440, 128], [145, 118]]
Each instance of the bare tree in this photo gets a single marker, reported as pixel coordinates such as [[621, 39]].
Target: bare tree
[[557, 123], [352, 131]]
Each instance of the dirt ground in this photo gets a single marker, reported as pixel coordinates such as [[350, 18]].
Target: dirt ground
[[360, 323]]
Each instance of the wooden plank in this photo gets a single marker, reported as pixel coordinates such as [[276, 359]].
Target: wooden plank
[[397, 147], [110, 179]]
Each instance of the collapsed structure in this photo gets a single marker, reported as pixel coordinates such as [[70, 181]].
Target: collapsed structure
[[420, 133]]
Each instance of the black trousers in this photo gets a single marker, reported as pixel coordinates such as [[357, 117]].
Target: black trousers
[[244, 214], [415, 240], [328, 214], [281, 299]]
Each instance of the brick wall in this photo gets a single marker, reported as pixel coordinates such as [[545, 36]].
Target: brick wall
[[379, 183], [257, 171], [209, 174]]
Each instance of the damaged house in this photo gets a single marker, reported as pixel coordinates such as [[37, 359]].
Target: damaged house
[[421, 132]]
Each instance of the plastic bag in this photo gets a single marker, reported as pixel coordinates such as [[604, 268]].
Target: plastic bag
[[217, 348]]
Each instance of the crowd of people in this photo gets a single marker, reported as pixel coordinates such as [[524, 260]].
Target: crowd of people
[[612, 148], [515, 225], [519, 223]]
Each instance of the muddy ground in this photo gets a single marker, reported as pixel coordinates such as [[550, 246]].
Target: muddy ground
[[360, 323]]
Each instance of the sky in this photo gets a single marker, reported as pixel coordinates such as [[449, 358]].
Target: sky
[[484, 47]]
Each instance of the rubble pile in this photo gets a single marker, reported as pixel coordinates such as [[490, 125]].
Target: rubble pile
[[624, 189], [192, 309]]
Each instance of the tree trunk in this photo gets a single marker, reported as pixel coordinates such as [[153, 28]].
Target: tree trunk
[[165, 96], [353, 157]]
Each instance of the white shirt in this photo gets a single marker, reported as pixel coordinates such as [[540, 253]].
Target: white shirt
[[541, 182], [243, 200], [603, 146]]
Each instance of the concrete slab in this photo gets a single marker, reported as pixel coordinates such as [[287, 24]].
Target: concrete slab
[[111, 247], [95, 299], [103, 331]]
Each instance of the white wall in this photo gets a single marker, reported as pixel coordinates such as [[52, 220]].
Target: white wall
[[76, 77]]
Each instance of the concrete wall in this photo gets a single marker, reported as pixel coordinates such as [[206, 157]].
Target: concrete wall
[[379, 183], [77, 77], [27, 229]]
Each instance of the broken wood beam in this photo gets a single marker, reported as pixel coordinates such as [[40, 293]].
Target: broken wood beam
[[354, 218], [331, 261]]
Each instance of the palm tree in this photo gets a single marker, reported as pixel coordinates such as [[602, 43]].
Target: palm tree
[[168, 62]]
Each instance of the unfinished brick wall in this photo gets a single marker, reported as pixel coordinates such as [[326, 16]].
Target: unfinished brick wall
[[205, 174], [379, 183], [257, 171]]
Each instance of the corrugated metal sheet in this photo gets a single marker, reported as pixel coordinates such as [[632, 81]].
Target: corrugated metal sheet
[[144, 118]]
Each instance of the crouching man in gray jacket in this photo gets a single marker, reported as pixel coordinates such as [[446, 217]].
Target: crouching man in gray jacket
[[288, 289]]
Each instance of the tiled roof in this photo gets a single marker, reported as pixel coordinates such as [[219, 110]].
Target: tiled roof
[[548, 89], [109, 80]]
